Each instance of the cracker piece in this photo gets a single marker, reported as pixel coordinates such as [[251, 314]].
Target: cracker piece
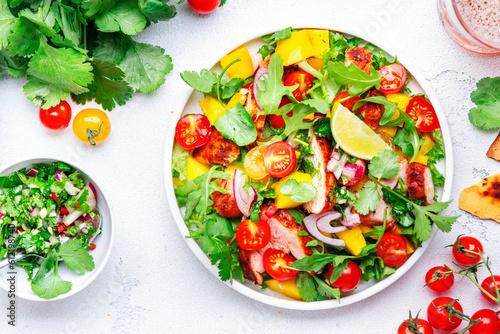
[[483, 199], [494, 150]]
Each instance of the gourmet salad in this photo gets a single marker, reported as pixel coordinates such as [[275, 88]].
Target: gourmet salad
[[311, 166], [48, 211]]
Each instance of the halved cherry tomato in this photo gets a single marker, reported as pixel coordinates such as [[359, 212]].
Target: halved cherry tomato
[[254, 163], [468, 255], [277, 121], [305, 81], [422, 112], [271, 210], [393, 78], [193, 131], [443, 282], [275, 263], [253, 236], [61, 228], [55, 198], [280, 159], [347, 100], [392, 249], [489, 324], [489, 285], [20, 229], [439, 318], [204, 6], [64, 210], [357, 176], [350, 278], [56, 118], [420, 326]]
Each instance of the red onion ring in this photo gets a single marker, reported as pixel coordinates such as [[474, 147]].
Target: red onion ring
[[261, 72], [32, 172], [310, 224], [244, 200]]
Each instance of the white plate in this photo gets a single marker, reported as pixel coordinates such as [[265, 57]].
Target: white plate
[[104, 241], [189, 104]]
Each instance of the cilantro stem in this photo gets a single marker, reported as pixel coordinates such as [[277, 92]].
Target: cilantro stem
[[220, 78]]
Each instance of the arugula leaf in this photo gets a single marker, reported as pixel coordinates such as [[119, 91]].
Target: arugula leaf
[[265, 51], [385, 164], [52, 285], [124, 16], [296, 121], [237, 125], [278, 36], [486, 97], [299, 192], [322, 127], [409, 140], [108, 87], [368, 199], [351, 75], [76, 257]]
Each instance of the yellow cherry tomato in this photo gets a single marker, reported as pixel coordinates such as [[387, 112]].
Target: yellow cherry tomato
[[254, 163], [91, 126]]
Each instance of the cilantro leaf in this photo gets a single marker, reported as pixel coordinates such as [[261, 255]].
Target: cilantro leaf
[[486, 115], [52, 285], [75, 256], [265, 51], [6, 22], [307, 287], [203, 82], [125, 16], [351, 75], [73, 75], [278, 36], [108, 87], [325, 290], [385, 165], [422, 226], [299, 192], [237, 125], [322, 127], [368, 199], [157, 10]]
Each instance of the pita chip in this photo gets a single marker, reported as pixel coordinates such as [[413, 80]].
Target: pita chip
[[483, 199]]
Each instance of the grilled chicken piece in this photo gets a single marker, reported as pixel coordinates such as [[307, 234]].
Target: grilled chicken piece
[[252, 265], [377, 217], [324, 181], [420, 185], [253, 109], [392, 183], [217, 151], [225, 204], [372, 112], [360, 57]]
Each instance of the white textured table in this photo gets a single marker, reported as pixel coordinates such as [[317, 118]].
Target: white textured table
[[153, 283]]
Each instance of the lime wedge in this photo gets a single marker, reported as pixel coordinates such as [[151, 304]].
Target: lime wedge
[[354, 136]]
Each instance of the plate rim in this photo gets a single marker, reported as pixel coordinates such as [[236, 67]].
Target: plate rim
[[290, 303]]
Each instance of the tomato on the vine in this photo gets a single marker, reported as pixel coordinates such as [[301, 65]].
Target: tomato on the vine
[[192, 131], [304, 80], [469, 254], [393, 78], [392, 249], [419, 325], [443, 282], [489, 285], [253, 236], [347, 100], [276, 264], [254, 163], [56, 118], [280, 159], [438, 316], [489, 324], [422, 112], [204, 6], [91, 126], [348, 280]]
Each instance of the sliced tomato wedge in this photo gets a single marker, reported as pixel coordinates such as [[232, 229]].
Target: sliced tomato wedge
[[393, 78], [280, 159], [193, 131], [276, 264], [305, 82], [346, 100], [422, 112], [253, 236], [392, 249]]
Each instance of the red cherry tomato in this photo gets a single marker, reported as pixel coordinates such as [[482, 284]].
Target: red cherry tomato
[[489, 324], [347, 100], [280, 159], [443, 282], [358, 172], [468, 255], [253, 236], [350, 278], [56, 118], [422, 112], [61, 228], [421, 326], [489, 285], [204, 6], [277, 121], [64, 210], [439, 317], [193, 131], [305, 81], [92, 246], [392, 249], [393, 78], [275, 262]]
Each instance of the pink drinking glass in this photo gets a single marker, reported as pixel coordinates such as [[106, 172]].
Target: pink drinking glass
[[473, 24]]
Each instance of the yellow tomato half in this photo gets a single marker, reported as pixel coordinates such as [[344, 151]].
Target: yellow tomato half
[[91, 126], [254, 163]]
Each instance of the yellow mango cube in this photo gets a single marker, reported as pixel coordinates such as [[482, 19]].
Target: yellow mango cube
[[177, 182], [390, 131], [354, 240], [401, 99], [241, 69], [287, 288], [232, 167], [320, 40], [284, 201], [237, 98], [212, 108], [365, 229], [427, 145], [296, 48], [195, 168]]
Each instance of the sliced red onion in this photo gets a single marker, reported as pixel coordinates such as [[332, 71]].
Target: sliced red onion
[[84, 230], [1, 215], [351, 219], [340, 167], [261, 72], [334, 161], [32, 172], [92, 187], [34, 211], [59, 175], [324, 219], [318, 115], [350, 170], [310, 224], [244, 200]]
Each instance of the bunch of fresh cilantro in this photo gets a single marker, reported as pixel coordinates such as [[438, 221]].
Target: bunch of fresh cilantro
[[486, 115], [82, 48]]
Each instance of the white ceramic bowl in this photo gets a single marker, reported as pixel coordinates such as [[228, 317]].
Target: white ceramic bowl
[[104, 241], [188, 104]]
